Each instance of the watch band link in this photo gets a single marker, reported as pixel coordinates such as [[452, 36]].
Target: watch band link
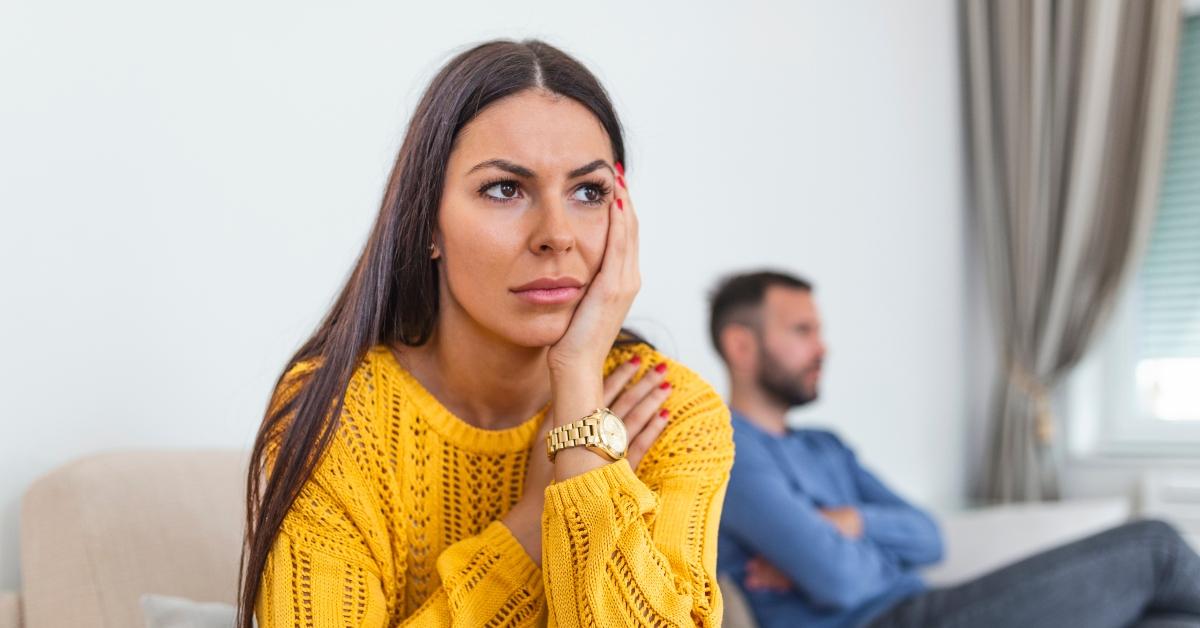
[[581, 432]]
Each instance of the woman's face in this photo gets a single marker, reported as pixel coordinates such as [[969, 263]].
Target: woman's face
[[526, 198]]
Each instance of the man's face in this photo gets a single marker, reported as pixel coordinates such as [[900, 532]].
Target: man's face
[[792, 350]]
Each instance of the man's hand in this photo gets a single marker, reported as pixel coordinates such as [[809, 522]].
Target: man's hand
[[846, 519], [761, 575]]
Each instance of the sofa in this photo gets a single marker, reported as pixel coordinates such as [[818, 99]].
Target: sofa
[[982, 539], [99, 532]]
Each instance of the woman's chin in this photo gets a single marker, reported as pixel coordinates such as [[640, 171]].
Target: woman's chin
[[540, 333]]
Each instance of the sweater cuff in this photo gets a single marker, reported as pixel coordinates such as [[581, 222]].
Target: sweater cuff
[[515, 568], [614, 483]]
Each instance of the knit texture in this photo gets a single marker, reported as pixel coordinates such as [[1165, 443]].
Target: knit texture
[[400, 522]]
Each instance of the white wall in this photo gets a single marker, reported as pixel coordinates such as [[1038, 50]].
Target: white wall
[[184, 186]]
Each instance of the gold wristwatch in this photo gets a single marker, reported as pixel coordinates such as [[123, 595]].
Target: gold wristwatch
[[601, 431]]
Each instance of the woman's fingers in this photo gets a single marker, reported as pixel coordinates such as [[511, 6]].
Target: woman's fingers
[[634, 234], [640, 407], [630, 273], [631, 396], [645, 410], [644, 439], [621, 249], [613, 266], [618, 378]]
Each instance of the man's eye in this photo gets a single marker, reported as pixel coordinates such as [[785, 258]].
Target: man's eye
[[505, 190]]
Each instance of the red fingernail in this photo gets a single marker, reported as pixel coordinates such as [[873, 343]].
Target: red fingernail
[[661, 368], [620, 205], [621, 180], [637, 359], [664, 385], [663, 413], [620, 169]]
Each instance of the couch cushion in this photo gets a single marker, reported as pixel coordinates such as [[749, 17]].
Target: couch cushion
[[165, 611], [99, 532], [737, 609], [981, 540]]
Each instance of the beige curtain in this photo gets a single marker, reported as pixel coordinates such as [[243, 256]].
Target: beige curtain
[[1067, 110]]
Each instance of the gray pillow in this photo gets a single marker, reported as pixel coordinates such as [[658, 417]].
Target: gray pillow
[[165, 611]]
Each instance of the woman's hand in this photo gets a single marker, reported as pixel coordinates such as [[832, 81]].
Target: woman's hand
[[576, 361], [639, 405]]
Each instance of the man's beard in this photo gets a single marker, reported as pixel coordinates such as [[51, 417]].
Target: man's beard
[[784, 387]]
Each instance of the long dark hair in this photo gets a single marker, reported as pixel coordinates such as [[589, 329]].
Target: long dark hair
[[391, 295]]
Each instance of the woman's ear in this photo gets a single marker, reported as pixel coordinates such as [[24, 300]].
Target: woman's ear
[[435, 251]]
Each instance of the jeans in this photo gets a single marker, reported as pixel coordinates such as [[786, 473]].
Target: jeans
[[1139, 574]]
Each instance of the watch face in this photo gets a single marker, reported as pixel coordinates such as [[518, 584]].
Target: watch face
[[612, 433]]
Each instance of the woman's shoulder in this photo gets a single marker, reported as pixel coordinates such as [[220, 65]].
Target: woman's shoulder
[[358, 397]]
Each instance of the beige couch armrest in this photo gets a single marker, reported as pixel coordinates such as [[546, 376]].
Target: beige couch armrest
[[100, 531], [981, 540], [10, 610]]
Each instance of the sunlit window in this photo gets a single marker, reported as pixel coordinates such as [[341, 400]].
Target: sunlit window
[[1168, 300], [1169, 388]]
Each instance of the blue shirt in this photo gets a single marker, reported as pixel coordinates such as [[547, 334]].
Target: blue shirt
[[777, 488]]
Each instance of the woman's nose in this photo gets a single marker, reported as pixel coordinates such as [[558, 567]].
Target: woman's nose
[[553, 233]]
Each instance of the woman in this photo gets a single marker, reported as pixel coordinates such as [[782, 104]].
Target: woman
[[475, 474]]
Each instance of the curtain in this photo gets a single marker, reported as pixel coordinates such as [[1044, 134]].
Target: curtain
[[1067, 105]]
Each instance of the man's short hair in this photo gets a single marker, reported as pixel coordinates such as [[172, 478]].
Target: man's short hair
[[736, 297]]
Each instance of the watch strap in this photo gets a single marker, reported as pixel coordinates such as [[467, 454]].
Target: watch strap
[[583, 432]]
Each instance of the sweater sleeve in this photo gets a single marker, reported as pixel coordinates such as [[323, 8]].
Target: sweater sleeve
[[335, 561], [487, 580], [621, 548]]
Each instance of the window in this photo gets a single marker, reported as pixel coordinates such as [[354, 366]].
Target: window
[[1168, 294], [1139, 391]]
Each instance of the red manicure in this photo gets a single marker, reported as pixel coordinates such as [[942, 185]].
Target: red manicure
[[620, 168], [665, 385], [637, 359], [663, 413], [661, 368], [620, 205], [621, 180]]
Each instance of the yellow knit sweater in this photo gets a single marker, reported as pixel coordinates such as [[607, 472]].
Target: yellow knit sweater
[[400, 522]]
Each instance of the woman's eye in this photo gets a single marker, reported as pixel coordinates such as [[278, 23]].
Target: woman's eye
[[505, 190], [589, 194]]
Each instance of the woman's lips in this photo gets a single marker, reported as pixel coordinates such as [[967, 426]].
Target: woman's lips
[[549, 296]]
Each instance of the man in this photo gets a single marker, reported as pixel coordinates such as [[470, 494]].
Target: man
[[816, 540]]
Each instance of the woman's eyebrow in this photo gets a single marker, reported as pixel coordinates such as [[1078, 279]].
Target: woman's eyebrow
[[522, 171], [504, 164], [582, 170]]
